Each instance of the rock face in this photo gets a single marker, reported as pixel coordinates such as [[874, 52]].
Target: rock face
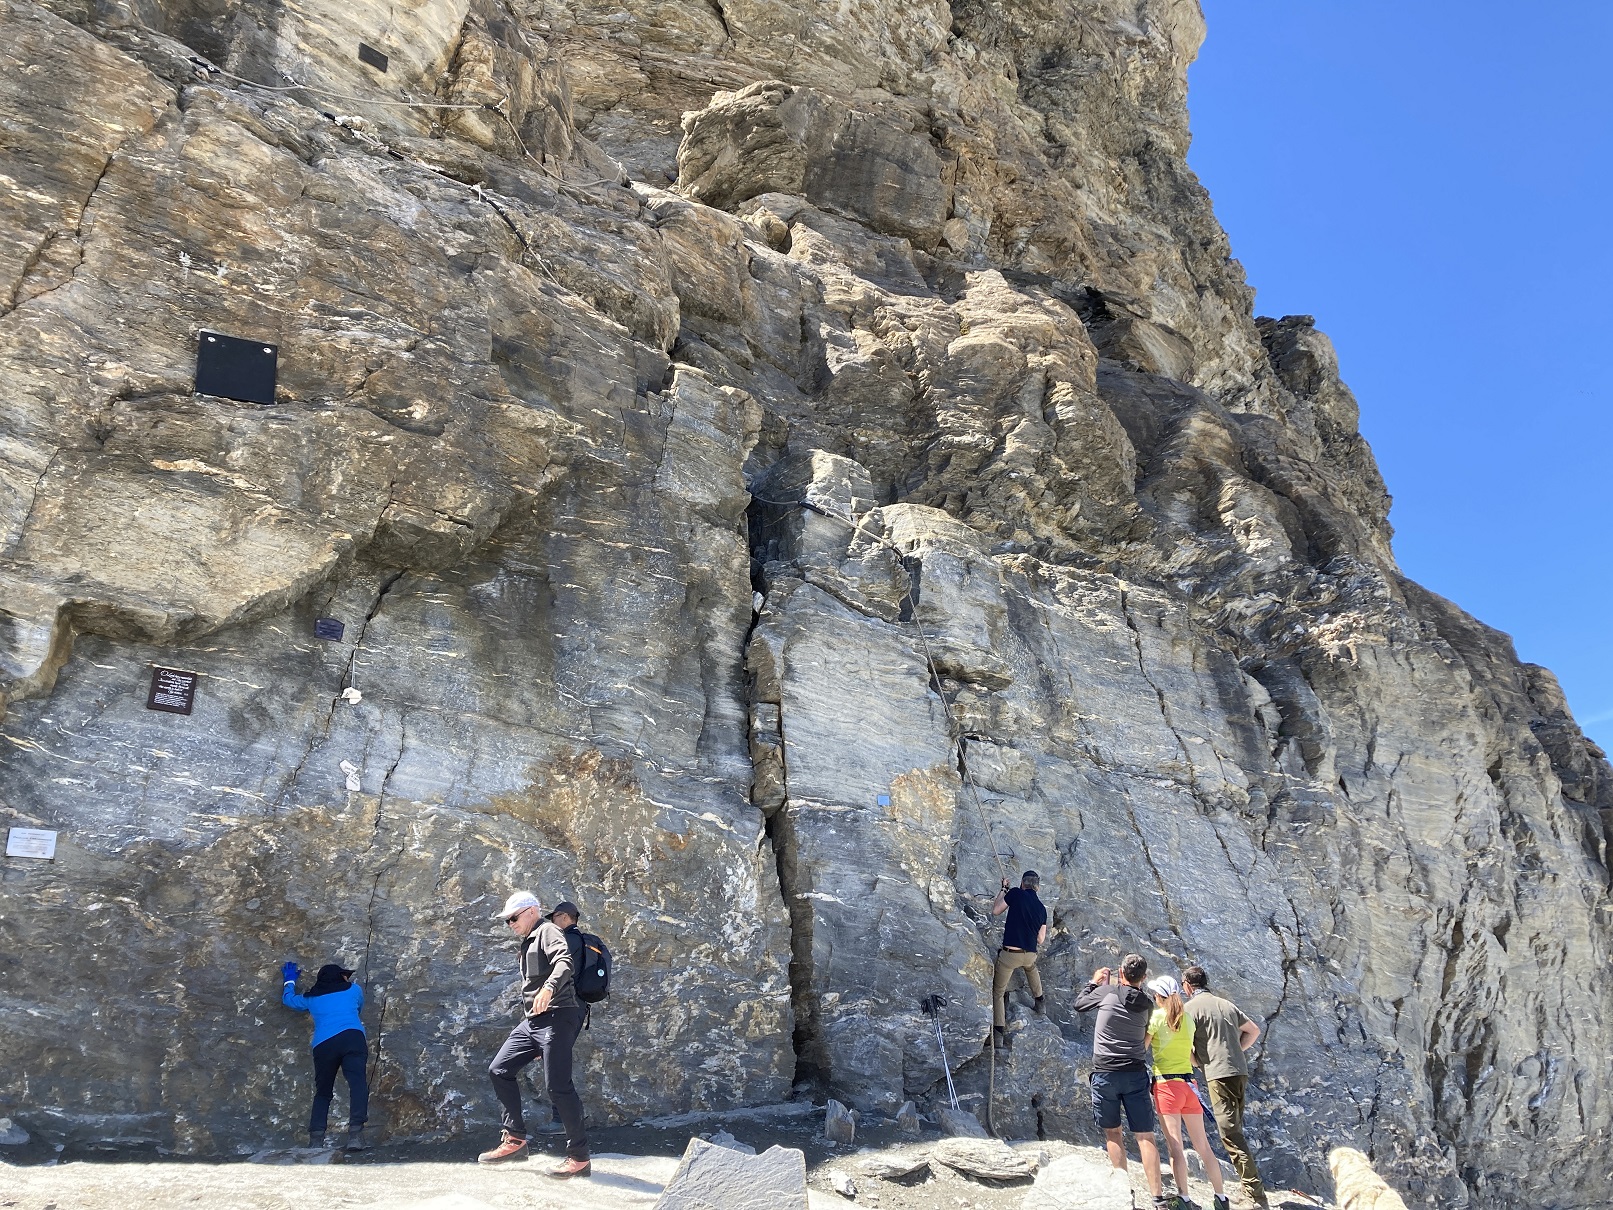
[[777, 470]]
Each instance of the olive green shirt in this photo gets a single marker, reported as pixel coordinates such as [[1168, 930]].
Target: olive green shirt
[[1216, 1026]]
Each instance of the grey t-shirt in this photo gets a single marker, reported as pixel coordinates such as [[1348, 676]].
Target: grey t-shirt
[[1120, 1034], [1216, 1025]]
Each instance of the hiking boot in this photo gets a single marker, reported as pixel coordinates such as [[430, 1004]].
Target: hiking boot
[[572, 1168], [1173, 1201], [316, 1138], [1221, 1202], [1001, 1040], [1040, 1006], [355, 1140], [510, 1147]]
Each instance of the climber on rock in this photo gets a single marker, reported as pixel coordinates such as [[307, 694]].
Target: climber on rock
[[1024, 930], [1221, 1033], [1120, 1067], [552, 1017], [339, 1044]]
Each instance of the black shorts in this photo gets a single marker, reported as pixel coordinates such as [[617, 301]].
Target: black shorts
[[1114, 1091]]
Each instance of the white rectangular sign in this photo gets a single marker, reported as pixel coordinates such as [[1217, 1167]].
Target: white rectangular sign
[[30, 842]]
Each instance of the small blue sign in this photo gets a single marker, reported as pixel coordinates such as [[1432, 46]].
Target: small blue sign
[[329, 628], [884, 800]]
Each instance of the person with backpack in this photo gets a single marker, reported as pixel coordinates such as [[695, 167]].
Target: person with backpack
[[591, 961], [551, 1018], [339, 1044], [1176, 1099]]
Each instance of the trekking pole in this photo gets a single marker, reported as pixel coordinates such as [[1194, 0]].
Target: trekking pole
[[932, 1006]]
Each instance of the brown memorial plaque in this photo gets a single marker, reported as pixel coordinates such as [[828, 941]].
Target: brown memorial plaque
[[172, 690]]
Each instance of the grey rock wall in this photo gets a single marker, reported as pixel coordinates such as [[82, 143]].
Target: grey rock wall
[[772, 465]]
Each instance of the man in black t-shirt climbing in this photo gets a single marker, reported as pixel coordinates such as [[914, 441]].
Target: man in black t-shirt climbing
[[1025, 929]]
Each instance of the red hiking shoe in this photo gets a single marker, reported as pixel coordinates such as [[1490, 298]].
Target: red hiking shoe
[[509, 1148], [572, 1168]]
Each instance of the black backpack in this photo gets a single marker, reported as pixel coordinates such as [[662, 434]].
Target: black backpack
[[590, 966]]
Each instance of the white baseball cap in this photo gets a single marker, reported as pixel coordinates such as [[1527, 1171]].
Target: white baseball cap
[[1163, 986], [518, 902]]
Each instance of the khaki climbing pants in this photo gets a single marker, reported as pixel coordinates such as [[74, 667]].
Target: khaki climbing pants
[[1226, 1101], [1009, 961]]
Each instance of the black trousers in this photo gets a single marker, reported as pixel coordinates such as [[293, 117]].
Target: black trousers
[[549, 1037], [348, 1053]]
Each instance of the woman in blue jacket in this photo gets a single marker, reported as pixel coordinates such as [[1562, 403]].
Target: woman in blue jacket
[[339, 1043]]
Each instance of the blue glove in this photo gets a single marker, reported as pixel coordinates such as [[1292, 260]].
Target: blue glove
[[290, 971]]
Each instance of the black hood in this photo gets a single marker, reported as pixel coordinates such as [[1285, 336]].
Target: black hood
[[332, 978]]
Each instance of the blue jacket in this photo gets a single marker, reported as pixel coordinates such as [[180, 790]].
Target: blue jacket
[[333, 1013]]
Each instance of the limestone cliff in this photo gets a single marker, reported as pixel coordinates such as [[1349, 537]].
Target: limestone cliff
[[766, 457]]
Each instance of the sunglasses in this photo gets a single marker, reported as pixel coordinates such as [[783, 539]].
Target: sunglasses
[[513, 918]]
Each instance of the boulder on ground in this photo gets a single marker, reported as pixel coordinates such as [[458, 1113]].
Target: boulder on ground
[[723, 1139], [984, 1159], [907, 1118], [894, 1165], [1084, 1181], [711, 1175], [960, 1122], [838, 1124], [840, 1181]]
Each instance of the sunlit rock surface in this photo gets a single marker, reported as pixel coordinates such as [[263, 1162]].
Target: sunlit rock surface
[[767, 459]]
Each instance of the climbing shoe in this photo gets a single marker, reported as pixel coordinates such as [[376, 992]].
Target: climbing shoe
[[509, 1148], [316, 1138], [572, 1168], [1040, 1007], [355, 1140]]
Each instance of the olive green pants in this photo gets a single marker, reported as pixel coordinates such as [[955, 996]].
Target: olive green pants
[[1226, 1102], [1009, 961]]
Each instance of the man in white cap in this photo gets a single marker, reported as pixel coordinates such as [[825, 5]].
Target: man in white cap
[[551, 1019]]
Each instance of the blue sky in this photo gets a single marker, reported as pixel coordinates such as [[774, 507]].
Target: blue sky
[[1434, 182]]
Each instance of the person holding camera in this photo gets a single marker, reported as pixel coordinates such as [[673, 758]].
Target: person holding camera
[[1024, 930], [1120, 1076]]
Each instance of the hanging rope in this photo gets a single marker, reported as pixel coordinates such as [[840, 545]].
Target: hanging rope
[[954, 728]]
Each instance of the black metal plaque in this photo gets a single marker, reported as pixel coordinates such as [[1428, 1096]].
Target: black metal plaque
[[328, 628], [172, 690], [235, 369], [368, 54]]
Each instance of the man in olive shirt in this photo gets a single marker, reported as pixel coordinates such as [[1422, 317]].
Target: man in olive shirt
[[1221, 1033]]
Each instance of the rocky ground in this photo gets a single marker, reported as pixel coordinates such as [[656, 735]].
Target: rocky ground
[[631, 1166]]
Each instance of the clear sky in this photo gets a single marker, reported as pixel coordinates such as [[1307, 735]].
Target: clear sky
[[1433, 181]]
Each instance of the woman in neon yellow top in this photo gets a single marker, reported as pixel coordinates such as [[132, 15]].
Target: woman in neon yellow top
[[1170, 1033]]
